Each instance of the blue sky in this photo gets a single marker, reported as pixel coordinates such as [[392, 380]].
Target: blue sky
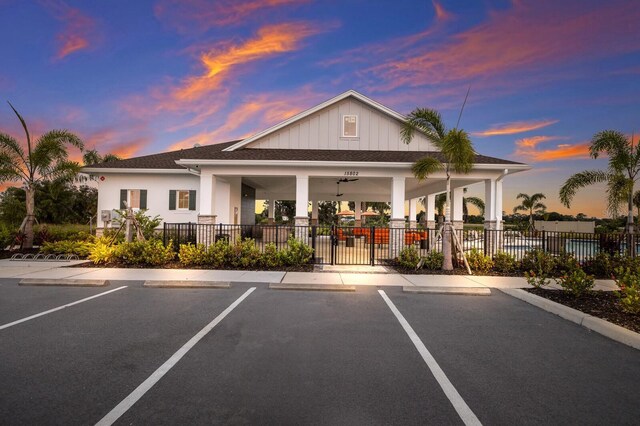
[[148, 76]]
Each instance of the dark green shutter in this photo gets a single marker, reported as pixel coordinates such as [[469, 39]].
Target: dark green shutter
[[123, 198], [172, 199], [192, 200], [143, 199]]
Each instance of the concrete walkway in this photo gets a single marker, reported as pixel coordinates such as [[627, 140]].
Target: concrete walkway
[[358, 275]]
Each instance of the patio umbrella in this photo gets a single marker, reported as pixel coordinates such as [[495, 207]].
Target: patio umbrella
[[346, 213], [369, 213]]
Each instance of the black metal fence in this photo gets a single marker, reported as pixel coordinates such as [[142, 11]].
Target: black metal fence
[[348, 245]]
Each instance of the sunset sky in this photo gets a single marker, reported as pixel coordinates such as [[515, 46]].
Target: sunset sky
[[138, 77]]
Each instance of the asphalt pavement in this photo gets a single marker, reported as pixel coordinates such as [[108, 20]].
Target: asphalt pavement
[[209, 356]]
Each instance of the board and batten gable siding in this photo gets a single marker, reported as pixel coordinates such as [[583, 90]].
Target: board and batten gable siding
[[157, 187], [323, 130]]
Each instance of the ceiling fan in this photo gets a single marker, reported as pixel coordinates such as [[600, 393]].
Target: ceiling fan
[[347, 180], [338, 193]]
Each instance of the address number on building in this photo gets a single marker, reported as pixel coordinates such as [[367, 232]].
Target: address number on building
[[352, 173]]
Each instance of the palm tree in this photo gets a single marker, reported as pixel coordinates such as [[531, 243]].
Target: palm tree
[[620, 176], [531, 204], [44, 160], [92, 156], [456, 155], [441, 200], [636, 202]]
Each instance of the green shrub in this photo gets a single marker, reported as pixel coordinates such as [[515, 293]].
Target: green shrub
[[193, 255], [245, 254], [537, 279], [7, 234], [155, 253], [52, 233], [504, 262], [219, 254], [79, 248], [138, 253], [270, 258], [601, 265], [102, 252], [565, 264], [297, 253], [628, 280], [147, 224], [576, 281], [479, 262], [538, 261], [433, 260], [408, 258]]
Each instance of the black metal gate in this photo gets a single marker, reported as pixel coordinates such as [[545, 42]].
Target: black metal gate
[[352, 246]]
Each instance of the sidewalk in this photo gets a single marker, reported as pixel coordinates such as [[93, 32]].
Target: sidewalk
[[338, 276]]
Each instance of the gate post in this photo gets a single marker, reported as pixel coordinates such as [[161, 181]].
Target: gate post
[[372, 245], [313, 243], [333, 243]]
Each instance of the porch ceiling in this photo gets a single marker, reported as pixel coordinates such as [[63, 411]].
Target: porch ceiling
[[364, 189]]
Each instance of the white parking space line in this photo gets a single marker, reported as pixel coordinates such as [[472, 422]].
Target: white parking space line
[[465, 413], [11, 324], [139, 392]]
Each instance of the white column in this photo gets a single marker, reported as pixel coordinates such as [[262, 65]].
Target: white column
[[271, 211], [413, 211], [489, 203], [396, 224], [314, 212], [492, 237], [302, 208], [206, 215], [397, 198], [430, 207], [457, 208], [357, 209], [498, 207]]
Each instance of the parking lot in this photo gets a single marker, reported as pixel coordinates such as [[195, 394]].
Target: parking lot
[[134, 355]]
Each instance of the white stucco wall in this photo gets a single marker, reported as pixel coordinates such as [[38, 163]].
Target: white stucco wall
[[157, 186]]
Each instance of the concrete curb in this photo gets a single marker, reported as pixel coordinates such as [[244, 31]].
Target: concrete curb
[[63, 282], [462, 291], [605, 328], [311, 287], [186, 284]]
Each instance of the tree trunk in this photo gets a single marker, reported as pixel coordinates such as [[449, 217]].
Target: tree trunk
[[28, 226], [447, 265], [630, 227]]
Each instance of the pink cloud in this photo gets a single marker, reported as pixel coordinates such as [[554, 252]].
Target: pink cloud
[[187, 16], [514, 127], [527, 36], [78, 32]]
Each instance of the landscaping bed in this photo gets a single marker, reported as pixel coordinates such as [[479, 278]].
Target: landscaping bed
[[601, 304]]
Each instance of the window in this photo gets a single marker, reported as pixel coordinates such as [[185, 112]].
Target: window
[[349, 126], [134, 198], [183, 200]]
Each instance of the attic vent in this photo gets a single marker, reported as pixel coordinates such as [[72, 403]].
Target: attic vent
[[349, 126], [196, 145]]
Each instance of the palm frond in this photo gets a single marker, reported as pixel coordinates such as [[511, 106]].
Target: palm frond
[[63, 171], [427, 121], [426, 166], [475, 201], [8, 143], [458, 151], [52, 147], [580, 180]]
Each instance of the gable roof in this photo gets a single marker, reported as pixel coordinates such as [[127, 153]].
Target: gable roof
[[168, 160], [349, 93]]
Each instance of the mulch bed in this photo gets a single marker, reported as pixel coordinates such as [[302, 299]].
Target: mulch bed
[[601, 304]]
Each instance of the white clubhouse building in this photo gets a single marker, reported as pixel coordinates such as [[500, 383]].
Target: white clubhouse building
[[302, 158]]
